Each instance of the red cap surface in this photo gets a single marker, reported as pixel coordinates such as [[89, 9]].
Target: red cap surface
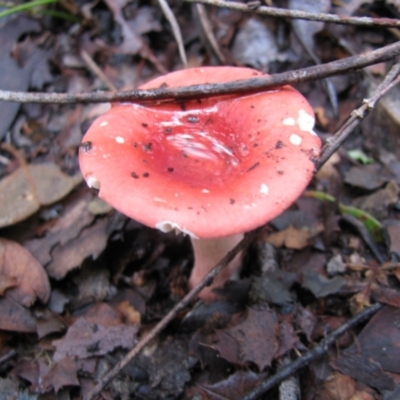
[[210, 168]]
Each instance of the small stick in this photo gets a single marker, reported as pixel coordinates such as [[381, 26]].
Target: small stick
[[208, 32], [96, 70], [169, 15], [245, 86], [297, 14]]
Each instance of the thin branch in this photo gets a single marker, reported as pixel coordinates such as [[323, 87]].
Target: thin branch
[[169, 15], [105, 380], [333, 144], [201, 91], [257, 8], [96, 70], [208, 32], [313, 354]]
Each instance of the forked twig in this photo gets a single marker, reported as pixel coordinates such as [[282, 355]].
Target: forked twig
[[333, 144]]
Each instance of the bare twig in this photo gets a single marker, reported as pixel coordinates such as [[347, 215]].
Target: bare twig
[[169, 15], [96, 70], [297, 14], [202, 91], [311, 355], [172, 314], [208, 32], [391, 80]]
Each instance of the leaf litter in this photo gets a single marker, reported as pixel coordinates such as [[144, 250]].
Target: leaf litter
[[80, 284]]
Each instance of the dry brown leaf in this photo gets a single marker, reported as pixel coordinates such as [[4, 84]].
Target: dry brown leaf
[[90, 242], [394, 234], [336, 387], [254, 339], [7, 282], [15, 318], [232, 388], [291, 237], [61, 374], [31, 279], [74, 219], [19, 200], [129, 312], [84, 340]]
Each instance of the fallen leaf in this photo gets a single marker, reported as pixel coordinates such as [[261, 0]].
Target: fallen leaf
[[291, 237], [48, 324], [84, 340], [232, 388], [365, 177], [305, 30], [103, 314], [168, 365], [129, 313], [28, 370], [61, 374], [386, 295], [364, 369], [31, 279], [394, 235], [287, 337], [380, 339], [273, 287], [89, 243], [320, 286], [7, 282], [23, 191], [377, 203], [255, 45], [132, 43], [15, 318], [336, 387], [254, 339], [74, 219], [306, 321], [13, 76]]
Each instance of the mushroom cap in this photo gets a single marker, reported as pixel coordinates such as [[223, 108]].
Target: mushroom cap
[[210, 168]]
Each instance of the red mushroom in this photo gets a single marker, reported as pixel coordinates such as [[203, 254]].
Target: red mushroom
[[212, 168]]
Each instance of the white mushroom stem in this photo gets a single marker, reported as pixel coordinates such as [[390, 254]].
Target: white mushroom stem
[[207, 253]]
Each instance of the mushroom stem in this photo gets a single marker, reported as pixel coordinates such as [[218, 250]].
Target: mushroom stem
[[207, 253]]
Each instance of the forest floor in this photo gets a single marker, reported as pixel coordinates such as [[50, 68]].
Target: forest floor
[[81, 284]]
